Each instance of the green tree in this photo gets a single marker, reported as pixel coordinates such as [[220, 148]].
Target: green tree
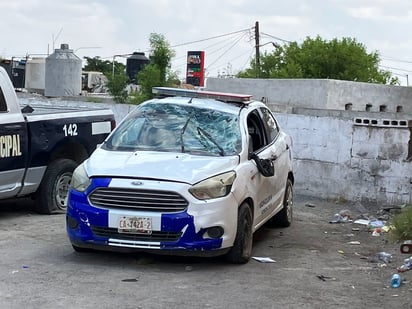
[[115, 73], [161, 55], [116, 86], [157, 72], [148, 77], [344, 59], [104, 66]]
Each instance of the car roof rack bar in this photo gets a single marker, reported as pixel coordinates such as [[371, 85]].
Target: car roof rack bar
[[221, 96]]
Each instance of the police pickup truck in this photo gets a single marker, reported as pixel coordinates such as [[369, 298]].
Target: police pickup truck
[[41, 146]]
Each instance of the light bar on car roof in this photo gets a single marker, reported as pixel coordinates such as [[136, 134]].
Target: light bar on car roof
[[221, 96]]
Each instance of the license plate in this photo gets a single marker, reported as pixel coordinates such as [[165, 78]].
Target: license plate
[[135, 225]]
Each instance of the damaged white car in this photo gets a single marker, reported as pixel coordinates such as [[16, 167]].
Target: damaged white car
[[188, 173]]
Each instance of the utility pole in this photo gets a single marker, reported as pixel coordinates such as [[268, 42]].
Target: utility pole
[[257, 49]]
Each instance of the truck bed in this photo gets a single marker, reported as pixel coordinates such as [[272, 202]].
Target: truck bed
[[41, 109]]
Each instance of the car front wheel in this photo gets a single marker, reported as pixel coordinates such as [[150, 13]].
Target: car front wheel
[[241, 251]]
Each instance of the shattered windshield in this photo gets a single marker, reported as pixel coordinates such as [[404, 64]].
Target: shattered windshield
[[178, 128]]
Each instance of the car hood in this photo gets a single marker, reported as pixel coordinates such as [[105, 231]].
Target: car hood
[[170, 166]]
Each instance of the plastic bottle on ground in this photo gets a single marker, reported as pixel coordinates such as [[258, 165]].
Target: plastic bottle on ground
[[396, 281]]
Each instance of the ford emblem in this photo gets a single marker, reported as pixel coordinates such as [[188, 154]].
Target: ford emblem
[[137, 183]]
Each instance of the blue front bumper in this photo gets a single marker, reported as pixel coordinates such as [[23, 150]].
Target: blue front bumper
[[88, 227]]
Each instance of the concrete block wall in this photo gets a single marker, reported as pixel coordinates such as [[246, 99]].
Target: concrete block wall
[[320, 93], [290, 92], [337, 158]]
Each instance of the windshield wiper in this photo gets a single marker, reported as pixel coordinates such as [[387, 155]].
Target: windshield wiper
[[210, 138], [183, 132]]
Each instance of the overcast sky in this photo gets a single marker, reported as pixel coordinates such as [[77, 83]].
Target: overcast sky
[[106, 28]]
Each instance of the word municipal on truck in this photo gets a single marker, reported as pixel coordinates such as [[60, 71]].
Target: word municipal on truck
[[10, 146], [41, 145]]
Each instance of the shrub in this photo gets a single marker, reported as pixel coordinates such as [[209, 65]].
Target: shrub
[[401, 225], [116, 86]]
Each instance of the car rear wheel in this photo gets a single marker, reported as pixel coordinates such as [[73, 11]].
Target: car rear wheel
[[284, 217], [241, 251]]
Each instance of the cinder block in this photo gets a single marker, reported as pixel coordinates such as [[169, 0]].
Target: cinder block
[[384, 123]]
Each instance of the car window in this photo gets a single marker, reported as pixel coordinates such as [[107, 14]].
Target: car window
[[270, 124], [3, 105], [257, 136], [172, 127], [262, 128]]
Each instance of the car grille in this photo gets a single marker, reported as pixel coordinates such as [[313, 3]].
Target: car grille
[[146, 200], [154, 236]]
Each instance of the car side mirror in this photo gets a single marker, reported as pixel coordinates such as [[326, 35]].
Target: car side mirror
[[265, 166]]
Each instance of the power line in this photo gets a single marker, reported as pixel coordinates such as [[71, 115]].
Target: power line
[[206, 48], [237, 41], [212, 49], [392, 68], [248, 60], [197, 41], [399, 74], [211, 38], [395, 60], [275, 37], [250, 52]]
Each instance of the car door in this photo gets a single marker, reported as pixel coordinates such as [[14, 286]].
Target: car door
[[278, 151], [13, 154], [262, 185], [268, 144]]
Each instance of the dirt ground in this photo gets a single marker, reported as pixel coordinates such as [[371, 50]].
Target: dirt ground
[[338, 263], [317, 265]]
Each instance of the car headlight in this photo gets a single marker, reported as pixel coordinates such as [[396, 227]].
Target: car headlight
[[80, 180], [214, 187]]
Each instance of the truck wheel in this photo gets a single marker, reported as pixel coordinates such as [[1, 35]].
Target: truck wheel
[[241, 251], [52, 194], [284, 217]]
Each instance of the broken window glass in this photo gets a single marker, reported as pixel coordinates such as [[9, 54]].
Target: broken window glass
[[178, 128]]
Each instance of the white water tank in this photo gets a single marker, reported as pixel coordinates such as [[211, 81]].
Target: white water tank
[[63, 73], [34, 80]]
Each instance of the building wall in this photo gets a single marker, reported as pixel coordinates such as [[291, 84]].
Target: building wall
[[340, 158], [319, 93]]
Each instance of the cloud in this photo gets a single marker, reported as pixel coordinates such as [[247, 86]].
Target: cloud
[[122, 27], [38, 26]]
